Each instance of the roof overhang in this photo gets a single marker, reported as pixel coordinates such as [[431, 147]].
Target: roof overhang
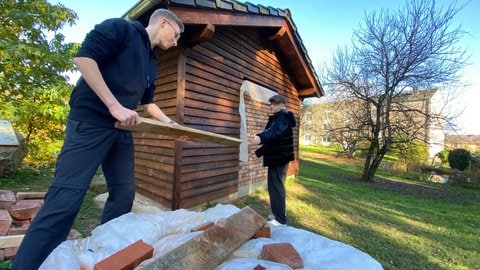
[[279, 30]]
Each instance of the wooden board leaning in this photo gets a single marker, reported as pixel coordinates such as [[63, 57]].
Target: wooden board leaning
[[157, 127]]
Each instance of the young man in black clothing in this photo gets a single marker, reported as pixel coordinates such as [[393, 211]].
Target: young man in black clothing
[[117, 64], [277, 151]]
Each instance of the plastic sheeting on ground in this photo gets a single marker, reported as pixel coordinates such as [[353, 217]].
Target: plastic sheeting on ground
[[165, 230]]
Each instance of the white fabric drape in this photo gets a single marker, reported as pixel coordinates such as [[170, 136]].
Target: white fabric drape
[[257, 93]]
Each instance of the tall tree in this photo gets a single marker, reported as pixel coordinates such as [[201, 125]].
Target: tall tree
[[33, 62], [393, 54]]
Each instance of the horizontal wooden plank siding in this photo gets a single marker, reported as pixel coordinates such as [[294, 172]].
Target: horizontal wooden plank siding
[[183, 175], [155, 154], [215, 71]]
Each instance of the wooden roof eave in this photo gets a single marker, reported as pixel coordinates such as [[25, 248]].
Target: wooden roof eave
[[308, 83], [284, 39]]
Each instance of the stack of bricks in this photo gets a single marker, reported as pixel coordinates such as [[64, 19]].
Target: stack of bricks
[[16, 213]]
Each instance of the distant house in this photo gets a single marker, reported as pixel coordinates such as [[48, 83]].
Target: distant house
[[320, 119], [468, 142], [231, 58]]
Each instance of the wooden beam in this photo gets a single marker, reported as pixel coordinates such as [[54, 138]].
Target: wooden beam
[[10, 241], [220, 17], [280, 33], [208, 249], [158, 127], [203, 35]]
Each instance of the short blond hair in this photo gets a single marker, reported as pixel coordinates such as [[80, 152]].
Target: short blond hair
[[167, 14]]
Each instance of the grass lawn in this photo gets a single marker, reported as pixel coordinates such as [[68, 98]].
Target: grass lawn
[[402, 223]]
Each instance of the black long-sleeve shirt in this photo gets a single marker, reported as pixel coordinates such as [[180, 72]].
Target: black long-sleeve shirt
[[123, 53]]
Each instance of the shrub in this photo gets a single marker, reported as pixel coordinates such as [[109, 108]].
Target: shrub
[[459, 159], [443, 156]]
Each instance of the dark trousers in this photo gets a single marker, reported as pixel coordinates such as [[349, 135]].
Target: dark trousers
[[86, 147], [276, 191]]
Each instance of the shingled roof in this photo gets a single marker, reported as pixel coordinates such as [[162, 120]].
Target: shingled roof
[[283, 31]]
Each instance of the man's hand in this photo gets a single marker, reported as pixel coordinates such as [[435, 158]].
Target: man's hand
[[125, 116], [256, 140]]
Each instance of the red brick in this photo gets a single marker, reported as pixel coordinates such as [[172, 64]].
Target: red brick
[[260, 267], [24, 210], [127, 258], [10, 252], [7, 198], [21, 223], [283, 253], [264, 232], [5, 222], [17, 230], [203, 227], [30, 195]]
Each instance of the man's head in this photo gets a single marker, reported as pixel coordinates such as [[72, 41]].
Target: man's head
[[277, 103], [164, 28]]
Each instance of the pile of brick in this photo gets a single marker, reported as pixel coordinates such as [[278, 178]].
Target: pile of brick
[[132, 255], [16, 213]]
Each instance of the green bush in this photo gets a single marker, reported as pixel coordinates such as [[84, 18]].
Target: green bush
[[459, 159], [443, 156]]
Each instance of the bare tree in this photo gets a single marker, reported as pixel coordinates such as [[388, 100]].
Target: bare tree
[[393, 55]]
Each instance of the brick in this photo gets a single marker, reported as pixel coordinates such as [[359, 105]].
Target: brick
[[30, 195], [259, 267], [5, 222], [7, 198], [203, 227], [10, 252], [264, 232], [127, 258], [2, 254], [17, 230], [24, 210], [21, 223], [30, 202], [283, 253]]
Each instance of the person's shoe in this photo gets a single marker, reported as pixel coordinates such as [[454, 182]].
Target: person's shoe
[[274, 222], [271, 216]]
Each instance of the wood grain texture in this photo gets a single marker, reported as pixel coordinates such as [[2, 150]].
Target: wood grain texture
[[208, 249], [158, 127]]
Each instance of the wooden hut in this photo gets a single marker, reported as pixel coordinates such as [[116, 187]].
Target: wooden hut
[[230, 59]]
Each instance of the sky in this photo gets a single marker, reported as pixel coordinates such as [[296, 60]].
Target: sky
[[324, 25]]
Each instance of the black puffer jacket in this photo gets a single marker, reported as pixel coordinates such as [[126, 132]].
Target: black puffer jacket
[[277, 139]]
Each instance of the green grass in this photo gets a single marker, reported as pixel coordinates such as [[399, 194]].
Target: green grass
[[402, 223]]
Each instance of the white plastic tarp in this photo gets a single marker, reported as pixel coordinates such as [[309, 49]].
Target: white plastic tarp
[[165, 230]]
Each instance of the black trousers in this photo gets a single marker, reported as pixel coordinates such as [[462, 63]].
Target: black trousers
[[86, 147], [276, 191]]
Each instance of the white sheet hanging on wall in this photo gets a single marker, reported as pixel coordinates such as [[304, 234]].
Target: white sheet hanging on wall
[[257, 93]]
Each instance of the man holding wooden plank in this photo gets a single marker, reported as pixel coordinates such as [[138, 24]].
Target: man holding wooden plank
[[118, 71]]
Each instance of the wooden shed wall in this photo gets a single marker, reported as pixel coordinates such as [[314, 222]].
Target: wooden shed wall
[[214, 73], [155, 154], [199, 87]]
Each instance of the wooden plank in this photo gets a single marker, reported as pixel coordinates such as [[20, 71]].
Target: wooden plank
[[210, 248], [158, 127], [10, 241]]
